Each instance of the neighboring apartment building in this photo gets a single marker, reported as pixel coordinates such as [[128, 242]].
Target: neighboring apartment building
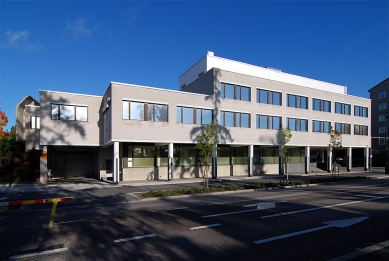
[[379, 96], [135, 132]]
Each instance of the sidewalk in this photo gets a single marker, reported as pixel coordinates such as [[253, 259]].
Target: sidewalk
[[82, 183]]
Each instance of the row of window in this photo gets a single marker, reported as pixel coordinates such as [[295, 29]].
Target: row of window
[[193, 116], [69, 112], [237, 92], [188, 155], [144, 111]]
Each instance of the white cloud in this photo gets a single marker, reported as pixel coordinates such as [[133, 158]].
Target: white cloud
[[20, 40], [80, 27]]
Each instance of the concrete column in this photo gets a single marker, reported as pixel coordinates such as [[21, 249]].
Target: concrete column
[[366, 159], [116, 168], [43, 166], [322, 155], [307, 159], [214, 162], [329, 160], [170, 162], [349, 159], [251, 160]]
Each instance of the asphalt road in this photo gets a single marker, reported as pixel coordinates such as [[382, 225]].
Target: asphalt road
[[284, 224]]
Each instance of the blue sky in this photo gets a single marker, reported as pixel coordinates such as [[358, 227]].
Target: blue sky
[[81, 46]]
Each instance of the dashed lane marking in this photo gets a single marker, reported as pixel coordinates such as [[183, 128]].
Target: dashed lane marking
[[46, 252], [133, 238], [206, 226]]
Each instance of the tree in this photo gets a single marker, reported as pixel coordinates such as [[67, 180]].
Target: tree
[[334, 145], [283, 138], [3, 122], [206, 143]]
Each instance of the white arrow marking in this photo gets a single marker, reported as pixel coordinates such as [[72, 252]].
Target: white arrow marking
[[260, 206], [263, 205], [337, 223]]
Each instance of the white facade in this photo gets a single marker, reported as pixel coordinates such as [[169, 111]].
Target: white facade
[[136, 132]]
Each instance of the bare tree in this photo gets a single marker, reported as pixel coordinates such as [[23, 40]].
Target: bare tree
[[334, 145], [206, 143]]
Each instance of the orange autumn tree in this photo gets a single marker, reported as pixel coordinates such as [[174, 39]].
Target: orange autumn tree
[[3, 123]]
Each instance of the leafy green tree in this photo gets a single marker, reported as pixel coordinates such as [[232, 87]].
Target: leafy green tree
[[284, 136], [206, 143]]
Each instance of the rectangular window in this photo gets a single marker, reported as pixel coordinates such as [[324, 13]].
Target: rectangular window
[[236, 92], [360, 111], [320, 126], [343, 128], [383, 94], [268, 122], [144, 111], [382, 106], [141, 156], [382, 129], [342, 108], [381, 141], [381, 118], [295, 101], [321, 105], [203, 116], [234, 119], [35, 122], [297, 124], [360, 130], [69, 112], [269, 97]]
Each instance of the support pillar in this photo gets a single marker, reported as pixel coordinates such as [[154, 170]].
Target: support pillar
[[251, 160], [329, 160], [170, 162], [116, 168], [43, 166], [214, 162], [322, 155], [307, 159], [349, 159], [366, 159]]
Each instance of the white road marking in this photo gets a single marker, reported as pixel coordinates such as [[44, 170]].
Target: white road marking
[[284, 195], [39, 253], [361, 252], [206, 226], [337, 223], [70, 221], [318, 208], [133, 238], [169, 209], [260, 206]]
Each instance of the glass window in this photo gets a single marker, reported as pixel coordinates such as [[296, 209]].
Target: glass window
[[188, 156], [276, 98], [237, 91], [303, 125], [327, 106], [188, 115], [291, 100], [381, 129], [137, 111], [54, 112], [383, 94], [304, 103], [292, 124], [126, 110], [245, 94], [381, 118], [66, 112], [315, 126], [276, 123], [143, 156], [206, 116], [245, 119], [35, 122], [150, 112], [381, 141], [229, 91], [81, 114], [237, 121], [160, 112], [326, 127], [263, 96], [262, 122], [229, 119], [382, 106], [179, 114]]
